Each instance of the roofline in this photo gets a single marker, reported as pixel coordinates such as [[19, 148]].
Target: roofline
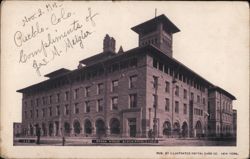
[[224, 91]]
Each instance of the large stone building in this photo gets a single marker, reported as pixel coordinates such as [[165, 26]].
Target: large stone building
[[134, 93]]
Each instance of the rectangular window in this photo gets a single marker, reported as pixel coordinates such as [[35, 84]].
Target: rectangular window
[[177, 90], [58, 97], [100, 88], [66, 109], [43, 112], [192, 96], [115, 103], [37, 114], [198, 99], [32, 103], [66, 96], [204, 101], [185, 94], [155, 63], [132, 81], [25, 115], [87, 107], [167, 105], [76, 93], [50, 99], [114, 85], [155, 82], [185, 109], [58, 110], [167, 87], [133, 100], [100, 105], [76, 110], [50, 111], [31, 114], [37, 102], [160, 66], [176, 110], [87, 91], [44, 100]]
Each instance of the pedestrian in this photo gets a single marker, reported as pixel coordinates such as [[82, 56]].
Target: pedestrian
[[63, 140]]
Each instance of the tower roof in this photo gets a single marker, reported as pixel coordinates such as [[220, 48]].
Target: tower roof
[[150, 25]]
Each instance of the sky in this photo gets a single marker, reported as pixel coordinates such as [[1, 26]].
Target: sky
[[213, 41]]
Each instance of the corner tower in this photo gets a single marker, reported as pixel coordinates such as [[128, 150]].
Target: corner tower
[[157, 31]]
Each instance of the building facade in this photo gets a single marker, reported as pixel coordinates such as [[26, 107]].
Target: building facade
[[136, 93]]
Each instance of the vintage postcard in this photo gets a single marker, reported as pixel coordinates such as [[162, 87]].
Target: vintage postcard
[[124, 79]]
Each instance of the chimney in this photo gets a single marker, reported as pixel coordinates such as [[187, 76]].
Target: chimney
[[108, 44]]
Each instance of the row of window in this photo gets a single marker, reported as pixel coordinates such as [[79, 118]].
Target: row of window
[[99, 107], [170, 70], [177, 91], [87, 75], [100, 90], [226, 106], [167, 105], [198, 111]]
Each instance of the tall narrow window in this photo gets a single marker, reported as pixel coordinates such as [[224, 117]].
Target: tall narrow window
[[167, 105], [57, 110], [167, 87], [58, 97], [50, 111], [114, 103], [37, 102], [66, 109], [192, 96], [133, 100], [67, 95], [177, 90], [100, 105], [37, 114], [87, 91], [185, 109], [31, 113], [100, 88], [176, 107], [76, 93], [87, 107], [198, 99], [132, 81], [185, 94], [76, 110], [114, 86], [155, 82], [50, 99]]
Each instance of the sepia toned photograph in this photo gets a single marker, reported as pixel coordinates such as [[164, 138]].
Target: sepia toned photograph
[[127, 75]]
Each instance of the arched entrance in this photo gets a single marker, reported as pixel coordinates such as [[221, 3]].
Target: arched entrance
[[184, 129], [176, 129], [114, 126], [87, 127], [167, 128], [100, 127], [66, 129], [77, 127], [198, 128], [51, 127]]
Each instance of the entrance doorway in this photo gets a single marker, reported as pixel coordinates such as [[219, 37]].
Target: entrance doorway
[[100, 128], [132, 127]]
